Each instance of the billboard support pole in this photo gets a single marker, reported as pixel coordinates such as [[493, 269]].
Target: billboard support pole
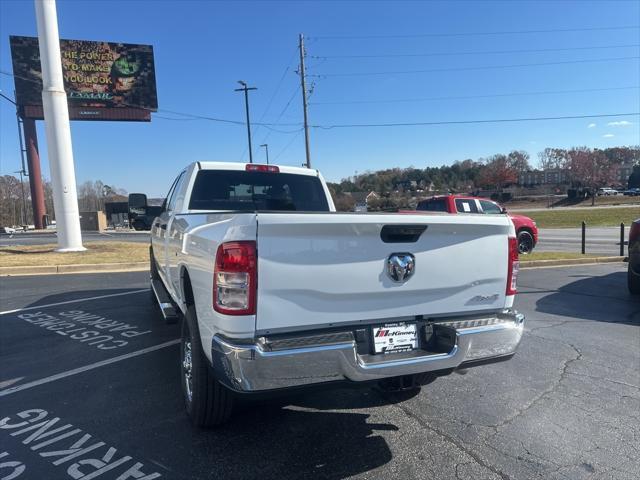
[[56, 119], [35, 174]]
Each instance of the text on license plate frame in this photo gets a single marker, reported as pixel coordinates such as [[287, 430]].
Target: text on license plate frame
[[395, 338]]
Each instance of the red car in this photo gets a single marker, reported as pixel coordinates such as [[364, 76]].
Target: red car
[[526, 229]]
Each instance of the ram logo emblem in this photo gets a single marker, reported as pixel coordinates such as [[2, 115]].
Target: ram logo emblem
[[400, 266]]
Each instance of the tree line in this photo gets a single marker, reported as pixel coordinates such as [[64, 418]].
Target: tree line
[[586, 168], [92, 195]]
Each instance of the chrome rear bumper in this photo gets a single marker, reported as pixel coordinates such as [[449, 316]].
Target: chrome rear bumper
[[255, 367]]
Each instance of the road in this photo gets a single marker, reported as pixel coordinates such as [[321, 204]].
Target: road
[[33, 238], [635, 204], [599, 240], [565, 407]]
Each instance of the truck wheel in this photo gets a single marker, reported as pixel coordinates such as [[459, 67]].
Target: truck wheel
[[633, 282], [525, 242], [208, 403]]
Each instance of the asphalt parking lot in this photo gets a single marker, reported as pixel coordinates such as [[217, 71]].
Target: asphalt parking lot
[[108, 405]]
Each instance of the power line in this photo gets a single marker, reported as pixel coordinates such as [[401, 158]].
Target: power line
[[468, 97], [463, 122], [471, 34], [460, 69], [268, 127], [282, 112], [367, 125], [484, 52], [266, 110], [175, 112], [287, 146]]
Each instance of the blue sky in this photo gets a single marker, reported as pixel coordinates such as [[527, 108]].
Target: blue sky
[[203, 47]]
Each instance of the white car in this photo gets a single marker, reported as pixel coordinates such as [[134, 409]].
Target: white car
[[7, 230], [276, 290], [607, 192]]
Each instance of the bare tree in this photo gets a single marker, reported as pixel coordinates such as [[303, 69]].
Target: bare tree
[[591, 169], [519, 161], [553, 158]]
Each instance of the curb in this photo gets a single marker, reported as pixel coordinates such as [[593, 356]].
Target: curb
[[570, 261], [86, 268]]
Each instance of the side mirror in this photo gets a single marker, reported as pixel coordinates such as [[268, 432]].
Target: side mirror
[[137, 203], [504, 210]]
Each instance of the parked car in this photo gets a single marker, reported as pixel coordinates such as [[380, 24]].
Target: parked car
[[277, 291], [7, 230], [633, 270], [632, 192], [606, 192], [526, 228]]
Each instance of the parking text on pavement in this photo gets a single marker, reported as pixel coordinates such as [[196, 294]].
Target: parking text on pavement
[[64, 444], [102, 332]]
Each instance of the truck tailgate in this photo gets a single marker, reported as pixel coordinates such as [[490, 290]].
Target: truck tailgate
[[321, 270]]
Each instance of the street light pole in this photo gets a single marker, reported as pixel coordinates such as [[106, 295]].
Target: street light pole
[[246, 89], [266, 149]]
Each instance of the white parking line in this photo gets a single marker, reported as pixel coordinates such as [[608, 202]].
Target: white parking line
[[86, 368], [72, 301]]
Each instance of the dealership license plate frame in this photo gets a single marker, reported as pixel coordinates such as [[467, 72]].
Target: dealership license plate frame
[[405, 336]]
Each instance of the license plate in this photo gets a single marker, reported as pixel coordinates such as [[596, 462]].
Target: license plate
[[395, 337]]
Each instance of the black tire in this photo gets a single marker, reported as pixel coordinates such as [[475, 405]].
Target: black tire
[[153, 275], [153, 268], [207, 402], [525, 242], [633, 282]]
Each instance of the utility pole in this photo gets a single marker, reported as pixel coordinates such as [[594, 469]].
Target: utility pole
[[22, 171], [304, 100], [246, 89], [58, 130], [266, 149], [24, 201], [27, 127]]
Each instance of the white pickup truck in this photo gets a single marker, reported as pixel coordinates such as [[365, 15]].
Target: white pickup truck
[[275, 290]]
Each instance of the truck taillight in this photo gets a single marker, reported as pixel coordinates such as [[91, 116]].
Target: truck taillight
[[513, 266], [235, 278], [255, 167]]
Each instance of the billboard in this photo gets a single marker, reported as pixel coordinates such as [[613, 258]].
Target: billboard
[[103, 80]]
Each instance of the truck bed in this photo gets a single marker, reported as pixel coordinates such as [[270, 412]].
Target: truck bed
[[319, 270]]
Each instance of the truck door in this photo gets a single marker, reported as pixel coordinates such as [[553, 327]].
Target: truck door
[[159, 229], [174, 234]]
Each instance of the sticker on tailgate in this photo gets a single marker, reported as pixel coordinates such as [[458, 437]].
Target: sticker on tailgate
[[395, 337]]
